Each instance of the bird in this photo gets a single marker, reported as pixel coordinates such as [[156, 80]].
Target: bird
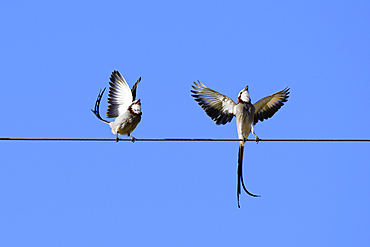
[[222, 109], [122, 104]]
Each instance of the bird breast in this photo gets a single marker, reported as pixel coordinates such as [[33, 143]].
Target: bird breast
[[244, 119], [125, 123]]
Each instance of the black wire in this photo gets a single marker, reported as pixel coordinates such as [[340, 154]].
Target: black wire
[[182, 139]]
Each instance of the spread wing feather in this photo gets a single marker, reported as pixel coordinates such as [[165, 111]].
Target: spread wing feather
[[268, 106], [218, 106], [120, 96]]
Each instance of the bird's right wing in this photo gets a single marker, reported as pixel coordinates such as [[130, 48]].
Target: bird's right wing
[[218, 106], [119, 97]]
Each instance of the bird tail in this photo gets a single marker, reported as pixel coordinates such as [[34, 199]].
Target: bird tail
[[97, 104], [240, 173]]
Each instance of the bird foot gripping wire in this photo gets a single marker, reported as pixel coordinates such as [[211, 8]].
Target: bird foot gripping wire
[[257, 139], [133, 139]]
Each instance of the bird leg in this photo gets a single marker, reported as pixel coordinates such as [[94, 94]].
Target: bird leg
[[117, 139], [257, 139], [133, 139]]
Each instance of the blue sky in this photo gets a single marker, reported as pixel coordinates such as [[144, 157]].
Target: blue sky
[[57, 55]]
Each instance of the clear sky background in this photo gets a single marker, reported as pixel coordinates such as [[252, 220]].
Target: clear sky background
[[57, 55]]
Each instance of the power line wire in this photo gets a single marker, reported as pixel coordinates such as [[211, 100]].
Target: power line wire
[[185, 139]]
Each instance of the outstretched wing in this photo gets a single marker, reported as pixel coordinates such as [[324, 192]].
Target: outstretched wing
[[119, 97], [268, 106], [218, 106]]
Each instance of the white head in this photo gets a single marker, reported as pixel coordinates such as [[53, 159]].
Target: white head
[[243, 96], [135, 107]]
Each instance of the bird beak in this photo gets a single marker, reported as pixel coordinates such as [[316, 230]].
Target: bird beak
[[138, 101], [246, 88]]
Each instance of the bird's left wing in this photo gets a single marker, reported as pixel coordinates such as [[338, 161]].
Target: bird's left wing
[[134, 88], [119, 97], [268, 106], [218, 106]]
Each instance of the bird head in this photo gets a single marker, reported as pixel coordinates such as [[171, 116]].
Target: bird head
[[243, 96], [135, 107]]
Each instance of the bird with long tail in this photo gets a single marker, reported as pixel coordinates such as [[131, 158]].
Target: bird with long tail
[[222, 109], [122, 106]]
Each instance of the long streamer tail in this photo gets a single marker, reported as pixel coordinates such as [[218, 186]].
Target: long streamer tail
[[240, 173], [96, 108]]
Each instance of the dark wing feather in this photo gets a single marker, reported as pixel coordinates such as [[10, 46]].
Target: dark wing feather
[[218, 106], [134, 88], [268, 106]]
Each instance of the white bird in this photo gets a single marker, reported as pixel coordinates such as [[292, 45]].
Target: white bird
[[222, 109], [122, 105]]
